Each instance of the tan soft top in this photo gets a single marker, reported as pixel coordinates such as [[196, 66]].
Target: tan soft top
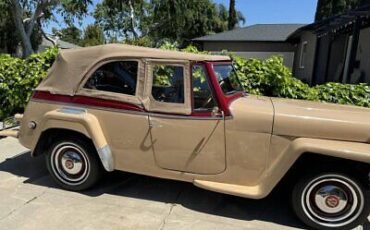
[[72, 65]]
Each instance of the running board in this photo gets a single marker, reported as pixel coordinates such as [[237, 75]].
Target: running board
[[252, 192]]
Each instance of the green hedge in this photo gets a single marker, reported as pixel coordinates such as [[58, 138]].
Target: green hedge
[[271, 78], [261, 77], [18, 77]]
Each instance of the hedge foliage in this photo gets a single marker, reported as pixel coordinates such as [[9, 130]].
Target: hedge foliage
[[269, 77], [18, 77]]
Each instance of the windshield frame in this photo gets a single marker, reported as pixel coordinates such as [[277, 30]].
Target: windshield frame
[[232, 92]]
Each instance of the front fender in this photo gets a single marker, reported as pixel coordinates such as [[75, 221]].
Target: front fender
[[359, 152], [81, 121]]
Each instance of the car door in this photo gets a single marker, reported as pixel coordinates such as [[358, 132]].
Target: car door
[[185, 136]]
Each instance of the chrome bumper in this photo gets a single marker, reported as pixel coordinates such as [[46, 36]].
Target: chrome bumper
[[9, 126]]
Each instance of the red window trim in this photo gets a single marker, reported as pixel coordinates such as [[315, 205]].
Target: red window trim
[[223, 100]]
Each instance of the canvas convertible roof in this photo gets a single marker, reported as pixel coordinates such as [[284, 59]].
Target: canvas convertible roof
[[72, 65]]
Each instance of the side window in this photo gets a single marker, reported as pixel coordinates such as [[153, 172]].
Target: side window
[[116, 77], [168, 84], [202, 93]]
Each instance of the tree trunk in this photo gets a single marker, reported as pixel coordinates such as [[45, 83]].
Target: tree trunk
[[26, 41]]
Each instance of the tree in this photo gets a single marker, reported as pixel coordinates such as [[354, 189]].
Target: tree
[[183, 20], [156, 21], [93, 35], [123, 19], [27, 15], [9, 37], [233, 20], [328, 8]]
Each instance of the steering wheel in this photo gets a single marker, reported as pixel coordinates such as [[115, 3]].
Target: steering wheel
[[210, 97], [207, 102]]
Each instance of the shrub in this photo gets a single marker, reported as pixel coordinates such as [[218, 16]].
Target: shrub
[[268, 77], [18, 77]]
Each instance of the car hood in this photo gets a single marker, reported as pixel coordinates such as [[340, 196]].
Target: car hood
[[298, 118]]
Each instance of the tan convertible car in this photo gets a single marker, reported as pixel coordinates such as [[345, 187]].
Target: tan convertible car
[[185, 117]]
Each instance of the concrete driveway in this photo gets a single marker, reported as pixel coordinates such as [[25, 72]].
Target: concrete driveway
[[29, 199]]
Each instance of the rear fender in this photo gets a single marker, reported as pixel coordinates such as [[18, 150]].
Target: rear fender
[[81, 121]]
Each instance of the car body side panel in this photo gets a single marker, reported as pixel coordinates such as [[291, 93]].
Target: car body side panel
[[286, 153], [189, 145], [256, 160], [106, 128], [318, 120], [248, 134]]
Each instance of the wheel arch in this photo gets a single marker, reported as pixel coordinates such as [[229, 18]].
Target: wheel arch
[[311, 161], [75, 122]]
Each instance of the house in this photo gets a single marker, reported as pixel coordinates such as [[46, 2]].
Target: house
[[46, 43], [334, 50], [256, 41]]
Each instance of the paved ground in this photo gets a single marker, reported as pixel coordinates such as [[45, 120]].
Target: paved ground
[[29, 199]]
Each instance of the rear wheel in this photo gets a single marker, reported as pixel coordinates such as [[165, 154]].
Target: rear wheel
[[330, 201], [73, 164]]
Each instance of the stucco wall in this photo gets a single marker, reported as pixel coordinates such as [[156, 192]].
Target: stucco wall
[[305, 73], [260, 50]]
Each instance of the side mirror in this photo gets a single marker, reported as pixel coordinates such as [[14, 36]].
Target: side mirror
[[216, 112]]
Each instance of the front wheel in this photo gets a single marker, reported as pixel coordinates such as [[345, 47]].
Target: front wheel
[[330, 201], [73, 164]]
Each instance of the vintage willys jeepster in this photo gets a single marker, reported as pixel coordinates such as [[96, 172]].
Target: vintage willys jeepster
[[185, 117]]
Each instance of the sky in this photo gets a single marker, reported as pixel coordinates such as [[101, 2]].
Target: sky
[[275, 11], [255, 12]]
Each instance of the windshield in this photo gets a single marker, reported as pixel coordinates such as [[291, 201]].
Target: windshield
[[227, 78]]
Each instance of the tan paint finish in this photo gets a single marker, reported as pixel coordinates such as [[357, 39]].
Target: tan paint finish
[[319, 120], [255, 159], [245, 154], [186, 144]]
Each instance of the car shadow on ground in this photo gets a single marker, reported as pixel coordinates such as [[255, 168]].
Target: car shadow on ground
[[274, 209]]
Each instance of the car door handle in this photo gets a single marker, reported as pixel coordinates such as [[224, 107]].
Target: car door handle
[[154, 123]]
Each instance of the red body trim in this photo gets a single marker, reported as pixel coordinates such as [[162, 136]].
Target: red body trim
[[97, 102], [83, 100]]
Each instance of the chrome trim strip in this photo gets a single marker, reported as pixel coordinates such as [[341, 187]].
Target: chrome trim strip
[[169, 116], [106, 157], [72, 110], [80, 107]]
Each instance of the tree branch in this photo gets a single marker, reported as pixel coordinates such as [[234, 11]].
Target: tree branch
[[132, 16], [41, 6]]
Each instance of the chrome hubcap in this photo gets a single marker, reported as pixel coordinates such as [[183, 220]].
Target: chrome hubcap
[[70, 164], [332, 200]]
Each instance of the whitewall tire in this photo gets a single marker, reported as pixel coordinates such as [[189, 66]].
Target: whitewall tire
[[73, 164], [330, 201]]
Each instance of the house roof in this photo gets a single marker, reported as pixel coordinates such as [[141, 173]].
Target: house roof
[[336, 23], [256, 33], [62, 44]]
